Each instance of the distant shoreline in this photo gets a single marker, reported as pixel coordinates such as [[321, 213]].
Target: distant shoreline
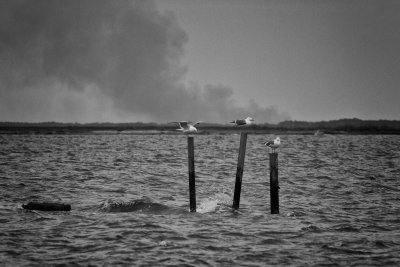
[[342, 126]]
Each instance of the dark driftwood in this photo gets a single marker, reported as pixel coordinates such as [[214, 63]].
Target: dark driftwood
[[47, 206]]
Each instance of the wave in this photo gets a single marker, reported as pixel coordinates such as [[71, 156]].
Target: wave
[[217, 203], [140, 205]]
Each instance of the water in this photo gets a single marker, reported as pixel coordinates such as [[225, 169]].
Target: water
[[339, 201]]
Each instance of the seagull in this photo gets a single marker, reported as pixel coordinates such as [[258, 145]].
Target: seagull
[[187, 127], [273, 144], [247, 121]]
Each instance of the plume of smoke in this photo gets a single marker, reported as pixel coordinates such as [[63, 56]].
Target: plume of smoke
[[83, 60]]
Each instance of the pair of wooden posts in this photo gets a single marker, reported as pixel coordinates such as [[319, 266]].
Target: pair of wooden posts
[[273, 164]]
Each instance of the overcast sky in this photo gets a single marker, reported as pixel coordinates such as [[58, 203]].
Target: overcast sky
[[210, 60]]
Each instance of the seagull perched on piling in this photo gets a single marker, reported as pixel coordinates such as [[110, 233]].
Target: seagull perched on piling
[[273, 144], [247, 121], [186, 127]]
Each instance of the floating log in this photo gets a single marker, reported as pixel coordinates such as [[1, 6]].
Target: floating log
[[192, 181], [46, 206], [239, 170], [274, 183]]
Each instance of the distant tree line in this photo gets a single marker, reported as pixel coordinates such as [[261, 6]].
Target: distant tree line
[[346, 125], [334, 126]]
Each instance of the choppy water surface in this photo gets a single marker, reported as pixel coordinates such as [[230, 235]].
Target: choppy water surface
[[339, 201]]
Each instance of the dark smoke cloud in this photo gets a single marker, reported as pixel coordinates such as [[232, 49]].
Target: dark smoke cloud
[[81, 60]]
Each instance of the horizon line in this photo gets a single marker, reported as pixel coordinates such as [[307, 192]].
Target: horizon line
[[204, 122]]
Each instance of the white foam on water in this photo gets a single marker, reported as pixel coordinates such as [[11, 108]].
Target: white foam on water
[[213, 203], [207, 206]]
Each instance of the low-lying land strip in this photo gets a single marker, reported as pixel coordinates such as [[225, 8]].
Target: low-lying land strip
[[342, 126]]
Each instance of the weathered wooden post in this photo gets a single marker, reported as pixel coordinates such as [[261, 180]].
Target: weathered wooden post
[[239, 170], [192, 182], [274, 183]]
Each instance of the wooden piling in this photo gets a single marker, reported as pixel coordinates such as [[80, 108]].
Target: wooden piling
[[239, 171], [192, 182], [274, 183]]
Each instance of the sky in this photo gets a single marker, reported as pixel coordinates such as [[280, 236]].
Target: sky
[[209, 60]]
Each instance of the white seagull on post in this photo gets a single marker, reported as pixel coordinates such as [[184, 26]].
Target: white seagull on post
[[273, 144], [247, 121], [186, 127]]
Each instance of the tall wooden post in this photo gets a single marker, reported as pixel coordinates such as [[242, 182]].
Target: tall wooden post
[[192, 182], [274, 183], [239, 171]]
